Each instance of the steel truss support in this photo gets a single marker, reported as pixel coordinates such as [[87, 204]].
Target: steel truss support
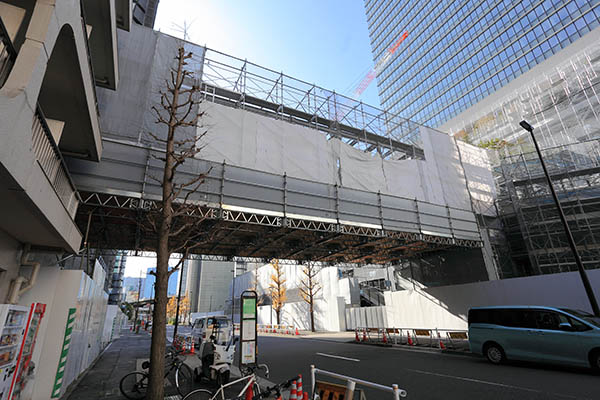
[[254, 236]]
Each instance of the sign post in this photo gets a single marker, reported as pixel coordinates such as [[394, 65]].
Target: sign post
[[248, 334]]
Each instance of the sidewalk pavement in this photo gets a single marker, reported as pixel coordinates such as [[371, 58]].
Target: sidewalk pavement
[[349, 337], [121, 357], [118, 359]]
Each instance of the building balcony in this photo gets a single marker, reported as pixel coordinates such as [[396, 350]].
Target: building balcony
[[44, 65], [101, 20], [124, 14]]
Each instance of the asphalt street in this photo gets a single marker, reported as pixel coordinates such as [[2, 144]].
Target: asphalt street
[[426, 375]]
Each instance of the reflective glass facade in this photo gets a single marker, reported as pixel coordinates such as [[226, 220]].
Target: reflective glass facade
[[459, 52]]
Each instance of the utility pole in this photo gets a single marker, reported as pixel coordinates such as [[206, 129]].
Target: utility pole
[[138, 302], [584, 278], [183, 265]]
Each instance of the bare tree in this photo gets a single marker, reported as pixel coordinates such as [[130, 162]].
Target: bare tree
[[174, 222], [309, 288], [277, 289]]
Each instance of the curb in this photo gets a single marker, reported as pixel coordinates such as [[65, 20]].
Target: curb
[[416, 348]]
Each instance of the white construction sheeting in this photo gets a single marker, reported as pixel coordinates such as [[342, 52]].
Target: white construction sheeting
[[252, 141], [258, 142], [145, 60], [478, 170]]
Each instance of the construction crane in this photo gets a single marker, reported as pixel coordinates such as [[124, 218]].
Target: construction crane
[[373, 72]]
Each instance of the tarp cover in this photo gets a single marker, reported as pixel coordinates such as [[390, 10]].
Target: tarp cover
[[253, 141]]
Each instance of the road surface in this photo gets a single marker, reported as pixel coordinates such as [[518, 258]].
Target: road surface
[[426, 375]]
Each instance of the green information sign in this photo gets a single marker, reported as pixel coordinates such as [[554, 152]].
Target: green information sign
[[248, 328], [249, 308]]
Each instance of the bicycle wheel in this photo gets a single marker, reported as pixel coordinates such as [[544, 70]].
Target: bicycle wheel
[[184, 379], [200, 394], [134, 385]]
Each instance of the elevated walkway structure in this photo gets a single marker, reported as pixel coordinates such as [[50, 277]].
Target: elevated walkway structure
[[252, 214]]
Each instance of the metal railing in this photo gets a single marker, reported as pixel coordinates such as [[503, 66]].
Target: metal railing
[[440, 338], [50, 159], [351, 384], [8, 54], [373, 129]]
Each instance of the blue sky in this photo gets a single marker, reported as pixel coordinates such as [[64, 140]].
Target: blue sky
[[324, 42]]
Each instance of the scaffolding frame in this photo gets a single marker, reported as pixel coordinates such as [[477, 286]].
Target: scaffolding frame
[[528, 211], [239, 83]]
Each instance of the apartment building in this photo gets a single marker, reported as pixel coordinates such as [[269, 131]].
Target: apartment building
[[53, 55]]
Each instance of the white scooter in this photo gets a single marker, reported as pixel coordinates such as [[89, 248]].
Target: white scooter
[[216, 356]]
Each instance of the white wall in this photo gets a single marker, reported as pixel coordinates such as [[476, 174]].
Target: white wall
[[113, 322], [371, 317], [61, 290], [329, 315], [330, 302], [447, 306], [9, 263]]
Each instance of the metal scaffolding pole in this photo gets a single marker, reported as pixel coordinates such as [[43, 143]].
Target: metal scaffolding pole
[[584, 278]]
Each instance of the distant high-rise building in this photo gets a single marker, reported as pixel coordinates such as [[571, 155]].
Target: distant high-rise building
[[206, 283], [458, 52], [117, 293], [144, 12], [475, 70]]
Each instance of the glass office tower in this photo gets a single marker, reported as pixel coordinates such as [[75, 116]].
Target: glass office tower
[[458, 52]]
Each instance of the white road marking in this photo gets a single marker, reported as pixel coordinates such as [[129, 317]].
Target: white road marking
[[340, 357], [488, 383]]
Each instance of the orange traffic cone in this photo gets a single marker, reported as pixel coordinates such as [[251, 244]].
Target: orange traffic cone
[[305, 397], [364, 335], [356, 335], [384, 337], [410, 342], [297, 333], [299, 388], [293, 392], [249, 393], [442, 347]]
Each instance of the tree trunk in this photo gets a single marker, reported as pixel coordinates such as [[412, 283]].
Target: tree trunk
[[159, 328], [159, 331], [312, 315], [278, 313]]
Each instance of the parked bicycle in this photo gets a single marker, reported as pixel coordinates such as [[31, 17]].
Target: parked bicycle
[[273, 392], [135, 384]]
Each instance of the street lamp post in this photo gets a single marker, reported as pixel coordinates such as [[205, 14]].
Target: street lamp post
[[233, 290], [584, 278]]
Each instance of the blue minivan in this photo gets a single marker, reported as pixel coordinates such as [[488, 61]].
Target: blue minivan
[[531, 333]]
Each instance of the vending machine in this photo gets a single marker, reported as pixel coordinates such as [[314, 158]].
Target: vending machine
[[25, 369], [13, 320]]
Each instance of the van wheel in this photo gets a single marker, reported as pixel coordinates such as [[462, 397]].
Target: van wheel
[[595, 360], [494, 353]]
